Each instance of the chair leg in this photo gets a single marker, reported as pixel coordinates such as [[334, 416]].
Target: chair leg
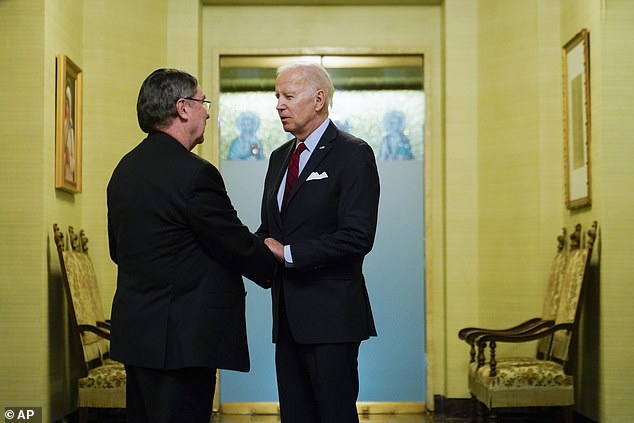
[[473, 409], [567, 411], [482, 412], [82, 415]]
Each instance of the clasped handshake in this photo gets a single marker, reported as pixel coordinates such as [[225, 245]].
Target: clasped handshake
[[276, 248]]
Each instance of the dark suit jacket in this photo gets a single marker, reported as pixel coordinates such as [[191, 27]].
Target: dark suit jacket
[[330, 226], [180, 250]]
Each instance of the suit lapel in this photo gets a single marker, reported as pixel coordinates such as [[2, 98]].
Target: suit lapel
[[321, 150]]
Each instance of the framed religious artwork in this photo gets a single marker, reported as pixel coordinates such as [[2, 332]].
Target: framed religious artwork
[[68, 126], [577, 122]]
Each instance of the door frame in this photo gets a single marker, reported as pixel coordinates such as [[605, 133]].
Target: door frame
[[434, 189]]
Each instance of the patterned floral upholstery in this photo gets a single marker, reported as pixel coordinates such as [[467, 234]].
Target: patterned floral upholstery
[[103, 385], [93, 286], [79, 271], [523, 372], [553, 289], [570, 297], [538, 381], [525, 377], [551, 297]]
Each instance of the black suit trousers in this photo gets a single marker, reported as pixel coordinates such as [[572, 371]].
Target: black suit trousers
[[169, 396], [317, 383]]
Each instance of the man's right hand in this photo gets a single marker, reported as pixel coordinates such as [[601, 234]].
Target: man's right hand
[[276, 248]]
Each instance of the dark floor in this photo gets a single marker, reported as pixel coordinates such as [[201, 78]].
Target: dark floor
[[542, 416], [403, 418], [117, 417], [553, 415]]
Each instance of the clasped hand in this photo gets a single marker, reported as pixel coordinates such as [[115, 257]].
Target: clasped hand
[[276, 248]]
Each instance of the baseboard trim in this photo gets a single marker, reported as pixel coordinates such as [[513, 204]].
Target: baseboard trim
[[363, 408], [394, 407], [249, 408], [451, 407], [463, 407], [580, 418]]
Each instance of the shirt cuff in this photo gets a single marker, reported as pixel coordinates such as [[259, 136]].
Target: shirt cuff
[[288, 257]]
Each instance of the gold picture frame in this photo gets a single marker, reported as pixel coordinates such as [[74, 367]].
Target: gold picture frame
[[68, 125], [577, 123]]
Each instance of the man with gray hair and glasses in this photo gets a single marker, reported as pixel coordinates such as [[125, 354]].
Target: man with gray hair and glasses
[[178, 313]]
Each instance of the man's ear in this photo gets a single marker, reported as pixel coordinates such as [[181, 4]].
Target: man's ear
[[182, 108], [320, 100]]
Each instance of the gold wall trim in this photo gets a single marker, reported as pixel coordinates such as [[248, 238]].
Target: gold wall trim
[[396, 407], [327, 60], [362, 408], [322, 2], [249, 408]]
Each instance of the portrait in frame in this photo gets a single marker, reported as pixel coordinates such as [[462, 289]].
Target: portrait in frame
[[577, 123], [68, 125]]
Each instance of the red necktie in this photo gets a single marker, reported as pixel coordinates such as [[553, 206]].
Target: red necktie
[[291, 175]]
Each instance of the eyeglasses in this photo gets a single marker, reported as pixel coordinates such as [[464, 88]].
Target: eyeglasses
[[206, 103]]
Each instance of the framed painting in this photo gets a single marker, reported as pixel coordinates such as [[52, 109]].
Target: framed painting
[[577, 122], [68, 126]]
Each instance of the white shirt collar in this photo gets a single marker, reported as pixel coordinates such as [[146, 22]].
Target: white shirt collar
[[313, 139]]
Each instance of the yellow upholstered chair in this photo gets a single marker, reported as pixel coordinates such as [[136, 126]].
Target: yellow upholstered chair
[[543, 380], [103, 381]]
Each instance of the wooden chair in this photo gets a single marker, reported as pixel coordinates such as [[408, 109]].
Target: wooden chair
[[544, 380], [103, 381], [549, 308]]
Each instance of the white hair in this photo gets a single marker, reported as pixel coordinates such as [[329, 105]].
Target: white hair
[[316, 75]]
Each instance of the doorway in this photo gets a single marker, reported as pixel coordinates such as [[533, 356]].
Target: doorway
[[381, 99]]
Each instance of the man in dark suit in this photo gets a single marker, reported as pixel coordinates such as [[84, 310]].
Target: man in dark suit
[[178, 311], [321, 229]]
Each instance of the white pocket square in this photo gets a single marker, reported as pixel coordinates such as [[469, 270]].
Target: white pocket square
[[316, 176]]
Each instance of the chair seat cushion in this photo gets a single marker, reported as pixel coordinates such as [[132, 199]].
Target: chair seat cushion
[[522, 381], [523, 372], [104, 387]]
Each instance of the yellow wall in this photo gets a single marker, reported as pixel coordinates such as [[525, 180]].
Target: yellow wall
[[454, 297], [116, 44], [520, 179], [22, 254], [519, 157], [494, 160], [63, 26]]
